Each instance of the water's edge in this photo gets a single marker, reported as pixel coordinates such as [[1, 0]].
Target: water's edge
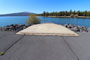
[[4, 21]]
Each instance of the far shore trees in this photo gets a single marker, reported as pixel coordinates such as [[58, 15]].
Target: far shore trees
[[66, 13]]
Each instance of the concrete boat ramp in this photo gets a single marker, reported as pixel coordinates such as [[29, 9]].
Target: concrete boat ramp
[[39, 47], [47, 29]]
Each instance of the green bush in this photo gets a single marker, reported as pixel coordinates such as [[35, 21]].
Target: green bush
[[33, 20]]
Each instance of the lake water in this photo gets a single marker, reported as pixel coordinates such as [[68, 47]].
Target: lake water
[[22, 20]]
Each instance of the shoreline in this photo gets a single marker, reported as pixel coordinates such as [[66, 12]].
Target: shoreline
[[57, 16], [68, 16]]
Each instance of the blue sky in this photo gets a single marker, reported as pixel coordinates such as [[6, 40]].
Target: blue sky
[[38, 6]]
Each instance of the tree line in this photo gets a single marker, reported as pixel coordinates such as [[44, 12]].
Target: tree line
[[66, 13]]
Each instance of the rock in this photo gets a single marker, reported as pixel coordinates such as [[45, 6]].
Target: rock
[[76, 28], [14, 27]]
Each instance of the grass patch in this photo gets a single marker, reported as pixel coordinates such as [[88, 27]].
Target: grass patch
[[2, 53]]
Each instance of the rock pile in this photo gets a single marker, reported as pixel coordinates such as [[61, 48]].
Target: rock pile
[[14, 27], [18, 27], [76, 28]]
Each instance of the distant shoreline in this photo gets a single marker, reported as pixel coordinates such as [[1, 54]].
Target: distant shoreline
[[14, 15], [55, 16], [68, 16]]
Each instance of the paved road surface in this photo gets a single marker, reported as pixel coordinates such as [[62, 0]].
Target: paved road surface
[[80, 45], [46, 47], [38, 48]]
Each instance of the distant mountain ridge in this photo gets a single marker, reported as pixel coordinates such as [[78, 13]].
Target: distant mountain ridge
[[17, 14]]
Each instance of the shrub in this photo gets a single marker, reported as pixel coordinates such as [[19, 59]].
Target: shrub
[[33, 20]]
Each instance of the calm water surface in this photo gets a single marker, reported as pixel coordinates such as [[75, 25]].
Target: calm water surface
[[22, 20]]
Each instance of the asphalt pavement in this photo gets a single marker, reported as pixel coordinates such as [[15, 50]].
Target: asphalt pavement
[[33, 47]]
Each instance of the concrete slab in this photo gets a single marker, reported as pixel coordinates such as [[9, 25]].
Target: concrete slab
[[48, 29]]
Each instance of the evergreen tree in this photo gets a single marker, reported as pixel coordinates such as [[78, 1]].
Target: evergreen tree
[[66, 13]]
